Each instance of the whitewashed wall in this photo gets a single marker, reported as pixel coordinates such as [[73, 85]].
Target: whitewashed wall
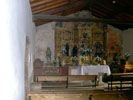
[[31, 53], [45, 38], [15, 23], [127, 36]]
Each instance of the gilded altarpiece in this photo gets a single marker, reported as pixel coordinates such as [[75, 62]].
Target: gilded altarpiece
[[97, 35], [88, 36], [64, 39], [86, 40]]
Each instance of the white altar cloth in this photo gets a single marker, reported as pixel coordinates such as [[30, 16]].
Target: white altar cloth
[[90, 70]]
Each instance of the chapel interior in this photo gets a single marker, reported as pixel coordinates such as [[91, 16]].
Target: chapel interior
[[68, 50], [81, 46], [75, 51]]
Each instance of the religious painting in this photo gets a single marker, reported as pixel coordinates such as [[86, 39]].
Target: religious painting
[[113, 44]]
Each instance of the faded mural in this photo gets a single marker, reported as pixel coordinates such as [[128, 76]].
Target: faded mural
[[44, 39], [114, 44]]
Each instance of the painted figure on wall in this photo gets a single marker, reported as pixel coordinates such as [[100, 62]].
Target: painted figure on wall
[[48, 55]]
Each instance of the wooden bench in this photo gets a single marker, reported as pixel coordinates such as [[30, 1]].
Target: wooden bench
[[81, 79], [115, 78], [128, 79], [52, 80], [65, 81]]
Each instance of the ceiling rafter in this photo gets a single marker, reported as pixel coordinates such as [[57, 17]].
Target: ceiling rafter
[[75, 9], [101, 6], [40, 2], [48, 5], [99, 12], [105, 9], [51, 7], [66, 7]]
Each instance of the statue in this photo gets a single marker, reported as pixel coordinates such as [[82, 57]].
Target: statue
[[48, 55], [67, 49], [98, 49], [75, 51]]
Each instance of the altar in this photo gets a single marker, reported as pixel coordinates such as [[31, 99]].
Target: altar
[[89, 70]]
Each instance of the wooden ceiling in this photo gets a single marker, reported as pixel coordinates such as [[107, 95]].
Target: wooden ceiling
[[120, 11]]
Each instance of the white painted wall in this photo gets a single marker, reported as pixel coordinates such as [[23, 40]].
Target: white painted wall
[[31, 52], [45, 38], [15, 23], [127, 36]]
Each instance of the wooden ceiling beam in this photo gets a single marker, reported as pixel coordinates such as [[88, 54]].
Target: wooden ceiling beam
[[48, 5], [124, 16], [106, 7], [35, 1], [32, 1], [111, 9], [40, 2], [99, 12], [121, 9], [97, 15], [44, 18], [65, 7], [117, 25], [49, 8], [128, 3], [75, 9]]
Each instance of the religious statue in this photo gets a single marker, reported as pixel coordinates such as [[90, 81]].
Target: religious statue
[[48, 55], [67, 49], [84, 42], [75, 51], [98, 51]]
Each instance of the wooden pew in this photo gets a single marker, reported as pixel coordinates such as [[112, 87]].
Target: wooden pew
[[115, 78], [125, 79], [52, 80], [65, 80], [82, 78]]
